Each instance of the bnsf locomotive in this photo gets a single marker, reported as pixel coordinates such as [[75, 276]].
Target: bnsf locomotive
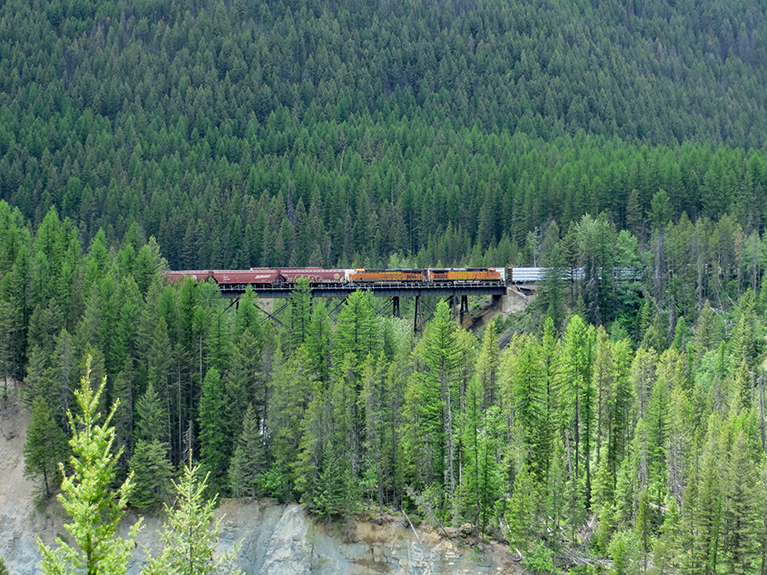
[[318, 277]]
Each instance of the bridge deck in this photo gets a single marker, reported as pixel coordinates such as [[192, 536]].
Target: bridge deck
[[378, 289]]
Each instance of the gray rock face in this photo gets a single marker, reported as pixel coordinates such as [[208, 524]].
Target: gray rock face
[[282, 540]]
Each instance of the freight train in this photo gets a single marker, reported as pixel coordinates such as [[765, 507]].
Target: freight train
[[318, 277], [285, 278]]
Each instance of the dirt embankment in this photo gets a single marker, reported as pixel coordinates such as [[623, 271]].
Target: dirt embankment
[[19, 521]]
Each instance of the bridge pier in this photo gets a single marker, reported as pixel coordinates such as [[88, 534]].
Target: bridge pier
[[395, 306], [418, 316], [463, 311]]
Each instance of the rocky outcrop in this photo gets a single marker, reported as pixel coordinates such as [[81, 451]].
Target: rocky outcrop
[[282, 540]]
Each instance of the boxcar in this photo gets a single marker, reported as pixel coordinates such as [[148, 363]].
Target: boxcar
[[265, 277]]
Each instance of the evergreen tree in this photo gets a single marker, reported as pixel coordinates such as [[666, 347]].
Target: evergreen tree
[[657, 426], [249, 458], [218, 342], [46, 446], [334, 491], [522, 512], [291, 391], [742, 510], [151, 471], [551, 299], [481, 482], [377, 418], [577, 387], [644, 527], [358, 331], [704, 512], [245, 382], [190, 534], [528, 400], [488, 364], [318, 343], [95, 509], [441, 356], [668, 547], [300, 312], [7, 342], [215, 440], [152, 420]]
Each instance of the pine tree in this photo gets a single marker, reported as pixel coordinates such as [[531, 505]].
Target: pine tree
[[318, 343], [488, 364], [374, 396], [619, 426], [94, 508], [480, 479], [552, 296], [577, 387], [46, 446], [245, 382], [190, 535], [160, 359], [152, 421], [290, 391], [215, 439], [603, 386], [528, 403], [441, 356], [217, 342], [334, 492], [668, 546], [152, 471], [471, 424], [358, 331], [300, 312], [657, 426], [705, 512], [644, 527], [742, 516], [249, 457], [522, 512], [7, 342], [602, 503]]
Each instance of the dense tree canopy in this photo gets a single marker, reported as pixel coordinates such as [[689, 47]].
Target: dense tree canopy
[[330, 133], [621, 415]]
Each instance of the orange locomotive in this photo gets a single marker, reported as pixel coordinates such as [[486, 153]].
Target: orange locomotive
[[386, 276], [464, 275]]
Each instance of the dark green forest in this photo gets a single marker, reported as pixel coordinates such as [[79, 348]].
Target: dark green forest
[[261, 134], [622, 416]]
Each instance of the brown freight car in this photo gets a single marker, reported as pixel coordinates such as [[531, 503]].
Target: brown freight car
[[262, 277]]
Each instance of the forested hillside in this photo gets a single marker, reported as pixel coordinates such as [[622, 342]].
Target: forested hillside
[[646, 446], [252, 133], [622, 416]]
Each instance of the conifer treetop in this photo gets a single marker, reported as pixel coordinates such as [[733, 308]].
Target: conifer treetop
[[86, 495]]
